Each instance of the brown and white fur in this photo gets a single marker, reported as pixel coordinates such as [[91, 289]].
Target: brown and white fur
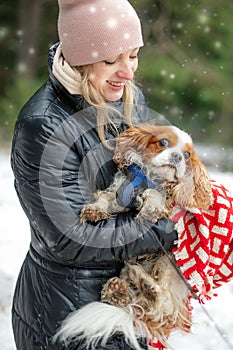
[[149, 299]]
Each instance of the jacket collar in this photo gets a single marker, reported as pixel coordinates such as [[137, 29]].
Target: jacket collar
[[75, 100]]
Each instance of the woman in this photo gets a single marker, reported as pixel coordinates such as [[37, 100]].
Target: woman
[[61, 154]]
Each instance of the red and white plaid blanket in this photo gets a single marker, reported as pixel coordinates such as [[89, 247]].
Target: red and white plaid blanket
[[204, 251], [205, 244]]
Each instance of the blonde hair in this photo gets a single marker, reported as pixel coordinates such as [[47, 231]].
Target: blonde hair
[[105, 109]]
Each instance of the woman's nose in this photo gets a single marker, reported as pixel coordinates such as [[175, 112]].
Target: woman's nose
[[126, 71]]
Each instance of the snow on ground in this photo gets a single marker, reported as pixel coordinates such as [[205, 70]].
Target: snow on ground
[[14, 241]]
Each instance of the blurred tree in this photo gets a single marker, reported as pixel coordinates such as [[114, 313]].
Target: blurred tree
[[187, 64], [7, 44], [27, 30]]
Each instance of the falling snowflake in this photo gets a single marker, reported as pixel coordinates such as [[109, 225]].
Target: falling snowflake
[[111, 23], [207, 29], [31, 51], [94, 54], [126, 36], [19, 32], [175, 110], [3, 32], [93, 9], [163, 72], [179, 25], [217, 44], [22, 67], [203, 18]]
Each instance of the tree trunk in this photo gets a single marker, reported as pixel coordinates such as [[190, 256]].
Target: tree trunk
[[29, 34]]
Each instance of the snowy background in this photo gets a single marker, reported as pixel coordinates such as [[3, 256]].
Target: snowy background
[[14, 241]]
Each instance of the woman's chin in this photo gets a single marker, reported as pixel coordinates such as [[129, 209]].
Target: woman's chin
[[113, 97]]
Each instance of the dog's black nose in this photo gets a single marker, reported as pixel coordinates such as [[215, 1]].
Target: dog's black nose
[[176, 157]]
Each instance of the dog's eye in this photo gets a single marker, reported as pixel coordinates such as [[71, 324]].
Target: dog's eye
[[187, 155], [164, 142]]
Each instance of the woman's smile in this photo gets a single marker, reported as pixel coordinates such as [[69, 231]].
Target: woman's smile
[[115, 84]]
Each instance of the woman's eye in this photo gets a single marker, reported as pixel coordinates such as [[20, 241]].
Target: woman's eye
[[134, 57], [109, 62], [164, 142], [187, 155]]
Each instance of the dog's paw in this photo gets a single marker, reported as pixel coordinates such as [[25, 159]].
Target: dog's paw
[[90, 213], [115, 292], [149, 289], [148, 215], [143, 281]]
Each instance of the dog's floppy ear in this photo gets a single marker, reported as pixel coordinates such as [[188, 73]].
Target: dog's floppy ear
[[202, 192], [194, 190], [130, 145]]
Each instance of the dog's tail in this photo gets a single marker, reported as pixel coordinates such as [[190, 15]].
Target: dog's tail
[[96, 322]]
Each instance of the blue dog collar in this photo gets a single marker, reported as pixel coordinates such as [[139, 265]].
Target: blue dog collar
[[136, 182]]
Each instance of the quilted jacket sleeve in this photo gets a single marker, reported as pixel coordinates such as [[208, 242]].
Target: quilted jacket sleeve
[[57, 167]]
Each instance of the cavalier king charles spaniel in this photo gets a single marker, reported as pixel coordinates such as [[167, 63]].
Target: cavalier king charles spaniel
[[163, 158], [158, 170]]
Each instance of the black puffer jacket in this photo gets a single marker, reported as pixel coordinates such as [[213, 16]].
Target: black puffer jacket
[[58, 163]]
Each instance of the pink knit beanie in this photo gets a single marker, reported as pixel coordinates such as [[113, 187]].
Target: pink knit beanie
[[95, 30]]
